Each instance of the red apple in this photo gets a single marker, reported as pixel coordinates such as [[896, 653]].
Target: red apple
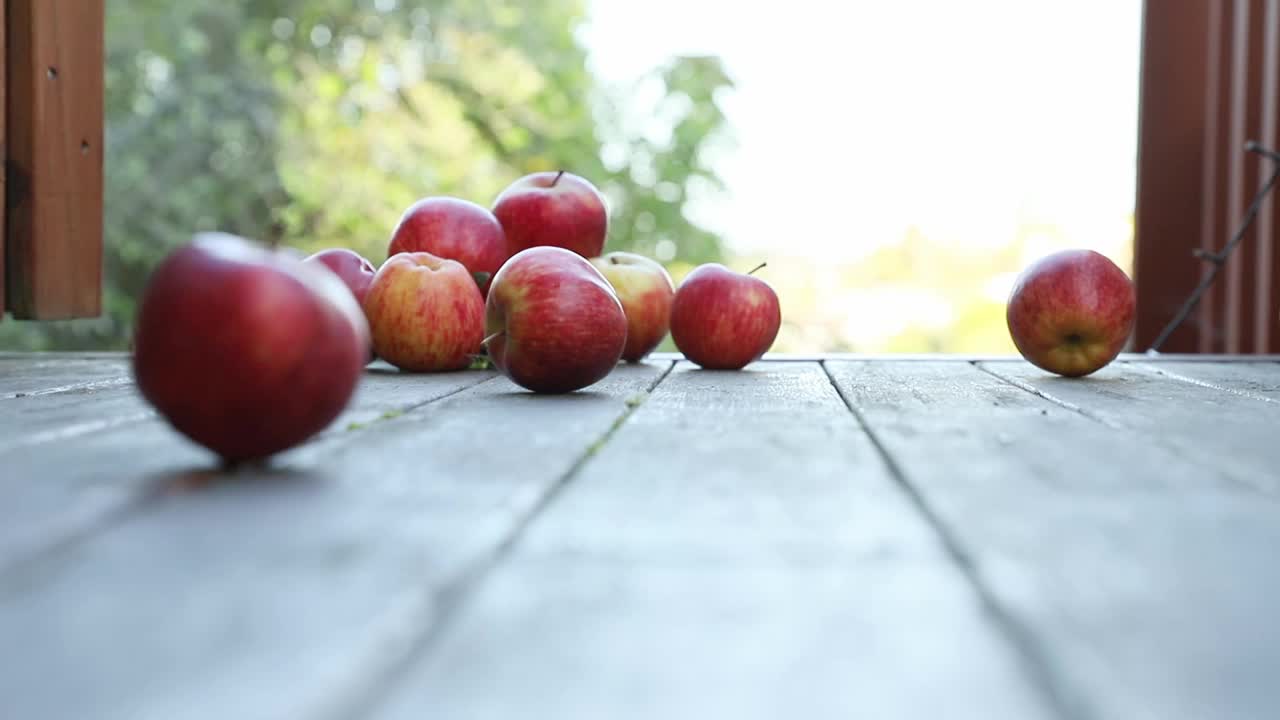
[[246, 351], [554, 323], [553, 208], [350, 267], [425, 313], [1071, 312], [646, 292], [724, 320], [456, 230]]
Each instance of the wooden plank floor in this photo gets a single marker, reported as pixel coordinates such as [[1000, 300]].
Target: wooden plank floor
[[814, 538]]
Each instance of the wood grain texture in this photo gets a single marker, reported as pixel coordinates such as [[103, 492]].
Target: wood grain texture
[[93, 458], [294, 595], [1144, 581], [39, 375], [64, 416], [998, 431], [739, 547], [1192, 421], [1256, 380], [55, 131], [737, 550], [65, 412]]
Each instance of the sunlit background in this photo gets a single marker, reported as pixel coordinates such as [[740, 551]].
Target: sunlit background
[[895, 163]]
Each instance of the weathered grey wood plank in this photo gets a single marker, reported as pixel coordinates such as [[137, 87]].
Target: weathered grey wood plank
[[1200, 424], [68, 414], [964, 357], [68, 411], [39, 374], [1257, 380], [80, 462], [736, 551], [292, 595], [1145, 583]]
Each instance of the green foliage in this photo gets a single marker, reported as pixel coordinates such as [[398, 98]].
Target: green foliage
[[314, 123]]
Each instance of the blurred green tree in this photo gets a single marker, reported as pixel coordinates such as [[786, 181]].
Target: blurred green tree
[[314, 123]]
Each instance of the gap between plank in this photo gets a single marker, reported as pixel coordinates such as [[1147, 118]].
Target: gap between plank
[[15, 570], [451, 597], [1046, 396], [1036, 665]]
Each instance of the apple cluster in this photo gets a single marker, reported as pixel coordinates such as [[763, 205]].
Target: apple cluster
[[281, 342]]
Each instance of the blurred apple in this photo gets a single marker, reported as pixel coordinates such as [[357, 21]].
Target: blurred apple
[[425, 313], [1071, 312], [244, 350], [724, 320], [553, 208], [646, 292], [453, 229], [350, 267], [554, 323]]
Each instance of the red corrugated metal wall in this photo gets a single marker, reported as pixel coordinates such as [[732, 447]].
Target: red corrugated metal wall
[[1210, 82]]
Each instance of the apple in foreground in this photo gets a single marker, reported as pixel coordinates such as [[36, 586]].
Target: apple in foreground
[[454, 229], [1071, 312], [646, 292], [425, 313], [553, 323], [553, 208], [245, 350], [724, 320]]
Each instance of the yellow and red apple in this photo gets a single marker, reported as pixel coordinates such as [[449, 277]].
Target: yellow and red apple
[[646, 292], [425, 313]]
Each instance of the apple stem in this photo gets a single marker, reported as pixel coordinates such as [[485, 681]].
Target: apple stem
[[761, 266], [485, 342], [557, 178]]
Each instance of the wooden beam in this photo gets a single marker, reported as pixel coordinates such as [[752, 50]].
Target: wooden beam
[[3, 156], [1208, 85], [1178, 69], [1267, 298], [55, 126]]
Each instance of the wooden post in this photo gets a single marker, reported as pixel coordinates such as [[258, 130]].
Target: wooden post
[[55, 138]]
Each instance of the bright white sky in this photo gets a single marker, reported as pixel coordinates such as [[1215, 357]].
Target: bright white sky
[[855, 119]]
